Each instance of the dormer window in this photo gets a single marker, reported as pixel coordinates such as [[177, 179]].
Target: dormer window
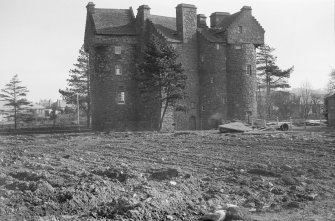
[[118, 70], [240, 29], [117, 50]]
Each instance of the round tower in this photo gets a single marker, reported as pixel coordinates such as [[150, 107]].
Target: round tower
[[241, 81]]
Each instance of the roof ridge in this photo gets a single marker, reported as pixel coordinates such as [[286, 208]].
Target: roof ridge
[[163, 16]]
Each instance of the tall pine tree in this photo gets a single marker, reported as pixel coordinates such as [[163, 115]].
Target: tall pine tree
[[79, 84], [15, 96], [160, 76], [269, 75]]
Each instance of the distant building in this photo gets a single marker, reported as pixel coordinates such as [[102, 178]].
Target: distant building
[[220, 62], [37, 110]]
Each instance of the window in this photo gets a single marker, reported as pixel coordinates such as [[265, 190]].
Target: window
[[202, 58], [217, 46], [211, 80], [117, 49], [121, 95], [238, 47], [203, 108], [224, 100], [240, 29], [192, 105], [118, 70], [249, 71]]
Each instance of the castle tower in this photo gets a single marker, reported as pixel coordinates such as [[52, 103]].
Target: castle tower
[[243, 36]]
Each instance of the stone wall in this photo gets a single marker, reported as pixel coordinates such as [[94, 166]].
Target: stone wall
[[106, 84], [213, 80], [188, 56], [241, 86]]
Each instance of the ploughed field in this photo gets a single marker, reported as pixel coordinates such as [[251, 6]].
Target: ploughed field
[[167, 176]]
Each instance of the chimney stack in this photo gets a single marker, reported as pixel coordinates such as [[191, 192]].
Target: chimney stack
[[186, 21], [217, 18], [246, 9], [143, 13], [90, 7], [201, 20]]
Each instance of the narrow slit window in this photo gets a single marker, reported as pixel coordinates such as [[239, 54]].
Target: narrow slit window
[[240, 29], [203, 108], [249, 71], [217, 47], [118, 70]]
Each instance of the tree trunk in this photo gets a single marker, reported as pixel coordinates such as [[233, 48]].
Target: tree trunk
[[15, 118], [163, 114], [268, 106]]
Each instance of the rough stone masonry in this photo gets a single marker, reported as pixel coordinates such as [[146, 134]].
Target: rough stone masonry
[[220, 63]]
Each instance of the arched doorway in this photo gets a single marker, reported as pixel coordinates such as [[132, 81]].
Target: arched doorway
[[192, 125]]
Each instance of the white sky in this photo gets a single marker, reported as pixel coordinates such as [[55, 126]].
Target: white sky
[[40, 39]]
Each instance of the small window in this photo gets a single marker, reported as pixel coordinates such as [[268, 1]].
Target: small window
[[202, 58], [211, 80], [224, 100], [118, 70], [203, 108], [249, 71], [240, 29], [117, 50], [238, 47], [192, 105], [217, 47], [121, 95]]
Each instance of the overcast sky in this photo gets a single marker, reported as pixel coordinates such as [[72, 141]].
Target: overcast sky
[[40, 39]]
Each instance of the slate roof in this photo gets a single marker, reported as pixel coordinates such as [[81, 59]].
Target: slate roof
[[114, 21], [165, 26], [168, 22], [226, 22], [210, 35]]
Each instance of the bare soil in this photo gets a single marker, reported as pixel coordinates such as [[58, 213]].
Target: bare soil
[[167, 176]]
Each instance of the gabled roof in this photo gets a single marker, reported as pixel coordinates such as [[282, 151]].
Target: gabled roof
[[209, 34], [114, 21], [227, 21], [166, 26], [168, 22]]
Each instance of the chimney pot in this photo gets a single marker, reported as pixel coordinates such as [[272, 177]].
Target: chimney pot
[[201, 20]]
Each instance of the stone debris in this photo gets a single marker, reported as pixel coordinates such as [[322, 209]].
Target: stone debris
[[234, 127]]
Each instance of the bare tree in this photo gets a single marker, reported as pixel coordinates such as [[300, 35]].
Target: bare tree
[[331, 82], [305, 93]]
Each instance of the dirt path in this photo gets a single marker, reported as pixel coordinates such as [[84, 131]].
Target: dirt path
[[176, 176]]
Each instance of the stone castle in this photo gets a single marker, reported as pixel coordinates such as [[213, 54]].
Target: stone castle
[[219, 60]]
